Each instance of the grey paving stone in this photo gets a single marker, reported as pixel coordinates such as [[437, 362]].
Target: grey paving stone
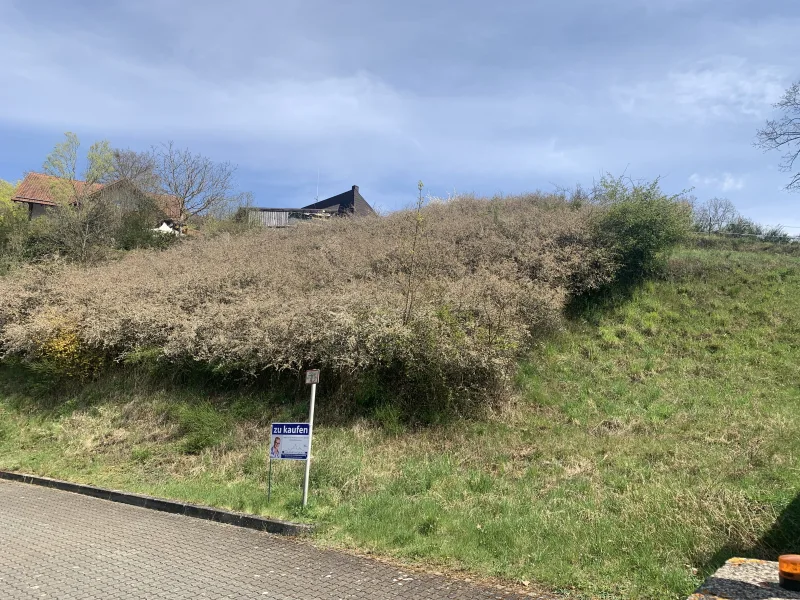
[[56, 544], [744, 579]]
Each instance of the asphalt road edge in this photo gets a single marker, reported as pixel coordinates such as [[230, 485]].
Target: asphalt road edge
[[208, 513]]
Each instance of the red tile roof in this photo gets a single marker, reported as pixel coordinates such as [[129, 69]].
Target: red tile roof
[[40, 188], [170, 205]]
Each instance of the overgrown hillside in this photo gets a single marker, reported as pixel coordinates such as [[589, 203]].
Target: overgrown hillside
[[433, 307], [648, 441]]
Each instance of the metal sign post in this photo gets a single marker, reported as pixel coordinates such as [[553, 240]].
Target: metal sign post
[[312, 377], [269, 484]]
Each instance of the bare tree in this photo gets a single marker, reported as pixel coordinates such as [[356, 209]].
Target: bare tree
[[199, 184], [715, 215], [138, 168], [784, 134]]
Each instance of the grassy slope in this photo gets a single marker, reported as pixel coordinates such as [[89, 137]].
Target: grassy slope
[[649, 441]]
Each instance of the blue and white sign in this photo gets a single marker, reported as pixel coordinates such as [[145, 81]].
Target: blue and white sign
[[289, 441]]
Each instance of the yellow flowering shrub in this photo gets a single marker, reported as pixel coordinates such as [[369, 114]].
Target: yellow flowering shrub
[[63, 354]]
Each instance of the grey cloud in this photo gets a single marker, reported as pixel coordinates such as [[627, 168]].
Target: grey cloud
[[479, 96]]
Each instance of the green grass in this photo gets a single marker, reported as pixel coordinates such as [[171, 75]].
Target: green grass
[[649, 442]]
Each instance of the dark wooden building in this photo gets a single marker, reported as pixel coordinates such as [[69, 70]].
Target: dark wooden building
[[346, 203], [350, 203]]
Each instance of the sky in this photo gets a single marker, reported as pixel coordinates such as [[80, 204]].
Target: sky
[[467, 96]]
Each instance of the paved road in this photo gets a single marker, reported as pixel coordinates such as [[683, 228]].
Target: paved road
[[56, 544]]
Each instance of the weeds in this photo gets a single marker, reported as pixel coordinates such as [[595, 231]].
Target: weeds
[[411, 284], [202, 426]]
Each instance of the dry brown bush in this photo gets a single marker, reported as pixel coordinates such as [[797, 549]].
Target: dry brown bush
[[489, 276]]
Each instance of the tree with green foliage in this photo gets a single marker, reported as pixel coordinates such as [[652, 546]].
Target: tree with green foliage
[[13, 225], [7, 190], [76, 185], [639, 223], [84, 223], [742, 226], [9, 211]]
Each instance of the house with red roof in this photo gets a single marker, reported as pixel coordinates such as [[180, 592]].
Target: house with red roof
[[40, 192]]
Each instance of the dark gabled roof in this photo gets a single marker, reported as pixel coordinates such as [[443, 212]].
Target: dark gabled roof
[[347, 203], [289, 210]]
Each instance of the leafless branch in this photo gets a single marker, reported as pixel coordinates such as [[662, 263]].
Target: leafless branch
[[784, 134], [138, 168], [198, 183], [715, 215]]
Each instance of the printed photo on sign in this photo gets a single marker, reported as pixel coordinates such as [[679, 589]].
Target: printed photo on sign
[[289, 441]]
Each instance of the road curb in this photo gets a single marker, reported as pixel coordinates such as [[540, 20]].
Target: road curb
[[170, 506]]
